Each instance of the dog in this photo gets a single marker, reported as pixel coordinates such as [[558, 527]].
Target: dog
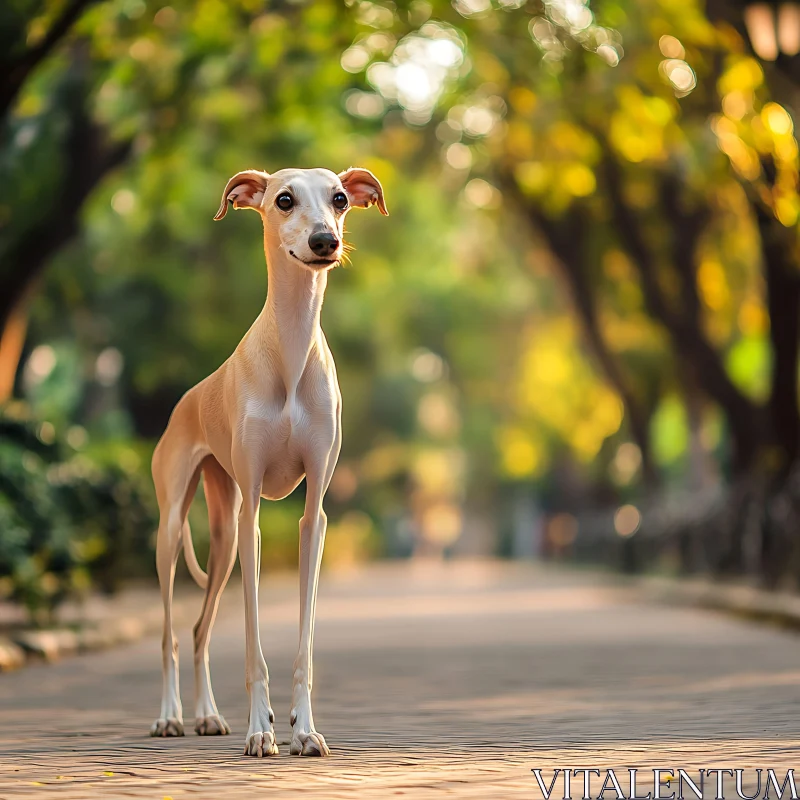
[[267, 418]]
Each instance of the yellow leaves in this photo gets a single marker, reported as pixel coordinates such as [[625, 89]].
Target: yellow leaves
[[743, 157], [520, 455], [558, 392], [744, 75], [573, 179], [777, 119], [561, 181], [632, 330], [712, 285], [772, 133], [606, 416], [752, 317], [717, 288], [569, 140], [786, 149], [519, 140], [652, 110], [617, 265], [490, 68], [522, 100], [547, 361], [747, 136], [634, 143], [563, 169], [602, 421], [787, 209], [578, 180], [532, 177], [638, 126]]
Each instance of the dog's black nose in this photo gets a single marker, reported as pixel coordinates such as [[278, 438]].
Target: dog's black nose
[[323, 243]]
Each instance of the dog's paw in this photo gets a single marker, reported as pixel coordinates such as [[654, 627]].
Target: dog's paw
[[309, 744], [260, 744], [171, 726], [211, 725]]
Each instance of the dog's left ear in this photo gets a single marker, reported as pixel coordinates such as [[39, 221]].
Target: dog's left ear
[[363, 188], [244, 190]]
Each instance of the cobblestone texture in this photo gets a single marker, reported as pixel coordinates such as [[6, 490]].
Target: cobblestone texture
[[430, 681]]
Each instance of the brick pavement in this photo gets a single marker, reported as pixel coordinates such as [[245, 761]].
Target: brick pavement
[[430, 682]]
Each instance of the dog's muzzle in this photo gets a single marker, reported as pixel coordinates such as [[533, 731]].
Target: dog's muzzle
[[323, 244]]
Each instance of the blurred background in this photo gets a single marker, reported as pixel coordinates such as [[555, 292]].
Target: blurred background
[[575, 338]]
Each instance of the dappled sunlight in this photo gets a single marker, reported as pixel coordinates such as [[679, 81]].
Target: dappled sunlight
[[419, 70]]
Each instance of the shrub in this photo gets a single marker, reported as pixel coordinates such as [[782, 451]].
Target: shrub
[[66, 523]]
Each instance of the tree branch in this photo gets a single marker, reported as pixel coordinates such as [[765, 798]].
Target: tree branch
[[88, 157], [687, 228], [744, 417], [565, 239], [16, 71]]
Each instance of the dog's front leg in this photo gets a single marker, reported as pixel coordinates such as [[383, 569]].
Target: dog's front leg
[[306, 741], [260, 734]]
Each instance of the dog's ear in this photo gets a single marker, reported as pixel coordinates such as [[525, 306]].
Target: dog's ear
[[363, 188], [244, 190]]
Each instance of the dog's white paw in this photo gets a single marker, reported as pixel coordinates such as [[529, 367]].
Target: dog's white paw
[[171, 726], [308, 743], [260, 744], [211, 725]]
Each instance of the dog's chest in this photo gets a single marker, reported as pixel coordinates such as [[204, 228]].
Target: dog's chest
[[290, 433]]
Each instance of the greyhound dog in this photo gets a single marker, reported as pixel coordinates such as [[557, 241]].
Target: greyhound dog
[[270, 415]]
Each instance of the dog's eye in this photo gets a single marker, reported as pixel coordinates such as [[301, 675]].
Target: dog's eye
[[340, 201], [284, 201]]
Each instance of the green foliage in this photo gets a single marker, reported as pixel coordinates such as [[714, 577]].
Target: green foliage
[[66, 522]]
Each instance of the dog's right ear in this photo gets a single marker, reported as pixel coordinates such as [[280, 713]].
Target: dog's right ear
[[244, 190]]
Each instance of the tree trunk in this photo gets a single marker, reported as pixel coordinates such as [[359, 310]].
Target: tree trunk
[[573, 268], [566, 240], [744, 418], [12, 340], [16, 67], [25, 252], [783, 303]]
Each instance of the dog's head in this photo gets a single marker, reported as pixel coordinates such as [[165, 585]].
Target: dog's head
[[305, 208]]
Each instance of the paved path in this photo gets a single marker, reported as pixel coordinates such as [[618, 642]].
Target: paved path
[[430, 682]]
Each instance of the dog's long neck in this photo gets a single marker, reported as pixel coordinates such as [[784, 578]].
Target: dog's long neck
[[291, 316]]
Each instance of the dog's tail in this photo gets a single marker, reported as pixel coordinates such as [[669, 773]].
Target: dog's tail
[[201, 578]]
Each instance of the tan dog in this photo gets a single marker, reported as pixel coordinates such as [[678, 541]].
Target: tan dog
[[270, 415]]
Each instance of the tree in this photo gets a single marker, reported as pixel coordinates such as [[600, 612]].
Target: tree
[[87, 86]]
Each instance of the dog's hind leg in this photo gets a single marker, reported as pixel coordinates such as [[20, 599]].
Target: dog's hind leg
[[170, 720], [223, 498], [176, 474]]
